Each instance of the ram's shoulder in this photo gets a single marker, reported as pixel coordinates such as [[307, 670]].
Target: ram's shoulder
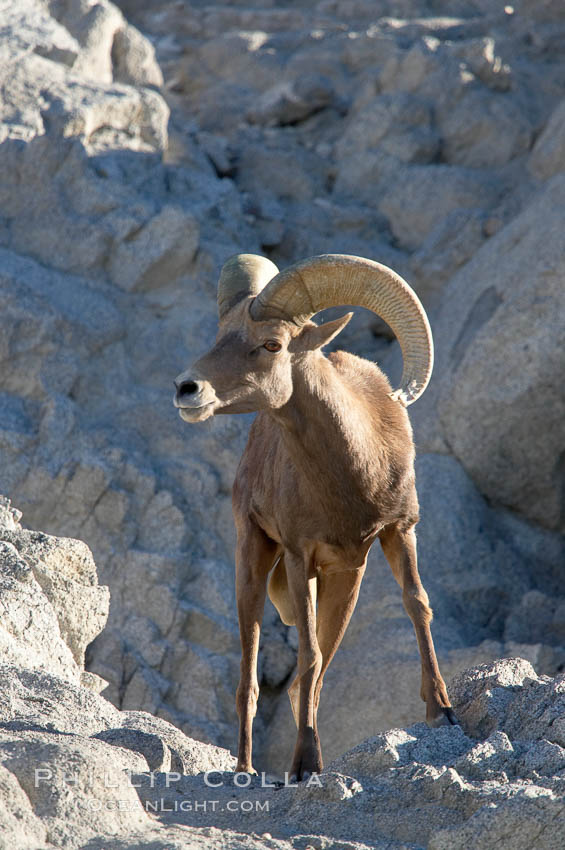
[[360, 372], [370, 385]]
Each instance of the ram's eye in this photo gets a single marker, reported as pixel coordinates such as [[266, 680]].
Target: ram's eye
[[272, 345]]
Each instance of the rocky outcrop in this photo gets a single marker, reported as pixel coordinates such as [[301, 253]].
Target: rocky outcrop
[[62, 745], [52, 606], [75, 771], [502, 402], [101, 245], [485, 782]]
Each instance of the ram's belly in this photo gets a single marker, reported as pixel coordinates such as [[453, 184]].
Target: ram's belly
[[328, 558]]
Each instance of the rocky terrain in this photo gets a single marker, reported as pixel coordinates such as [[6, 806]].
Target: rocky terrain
[[76, 772], [140, 146]]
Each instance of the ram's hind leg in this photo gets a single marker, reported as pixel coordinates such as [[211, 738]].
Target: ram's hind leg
[[255, 553], [399, 546], [337, 597], [307, 758]]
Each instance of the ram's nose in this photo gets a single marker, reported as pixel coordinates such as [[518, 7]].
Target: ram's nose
[[188, 391], [194, 399], [187, 387]]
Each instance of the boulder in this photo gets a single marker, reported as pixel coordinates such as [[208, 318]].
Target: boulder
[[399, 124], [85, 193], [30, 27], [133, 59], [160, 251], [481, 58], [288, 103], [74, 770], [279, 173], [417, 198], [53, 606], [94, 26], [449, 245], [548, 154], [423, 65], [501, 342], [24, 829], [525, 819], [62, 746], [485, 130], [548, 10]]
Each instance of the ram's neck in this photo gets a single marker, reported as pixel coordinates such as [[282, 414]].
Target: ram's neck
[[330, 428]]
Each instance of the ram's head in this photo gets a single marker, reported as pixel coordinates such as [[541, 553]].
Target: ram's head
[[264, 327]]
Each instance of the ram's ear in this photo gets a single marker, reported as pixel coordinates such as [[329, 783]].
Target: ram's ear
[[315, 336]]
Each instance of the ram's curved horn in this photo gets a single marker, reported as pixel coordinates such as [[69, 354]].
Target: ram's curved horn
[[329, 280], [243, 275]]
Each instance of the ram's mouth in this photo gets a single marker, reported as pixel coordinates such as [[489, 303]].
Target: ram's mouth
[[196, 414], [195, 407]]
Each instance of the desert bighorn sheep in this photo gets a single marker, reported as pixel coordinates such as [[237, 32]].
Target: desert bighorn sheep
[[328, 467]]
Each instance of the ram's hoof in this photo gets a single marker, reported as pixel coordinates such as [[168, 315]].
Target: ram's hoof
[[244, 769], [445, 718]]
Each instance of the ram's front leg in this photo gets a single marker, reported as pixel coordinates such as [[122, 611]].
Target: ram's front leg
[[255, 553]]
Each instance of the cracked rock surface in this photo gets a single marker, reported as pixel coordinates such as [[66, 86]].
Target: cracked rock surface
[[140, 146]]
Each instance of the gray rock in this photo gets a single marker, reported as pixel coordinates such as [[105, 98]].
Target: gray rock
[[68, 593], [217, 151], [427, 67], [133, 59], [551, 10], [94, 27], [450, 244], [62, 747], [539, 618], [548, 154], [419, 197], [52, 604], [89, 192], [111, 239], [385, 122], [226, 72], [288, 103], [66, 779], [525, 819], [19, 826], [30, 27], [485, 131], [277, 174], [503, 351], [35, 698], [483, 698], [381, 135], [482, 60], [156, 752], [75, 769], [159, 252]]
